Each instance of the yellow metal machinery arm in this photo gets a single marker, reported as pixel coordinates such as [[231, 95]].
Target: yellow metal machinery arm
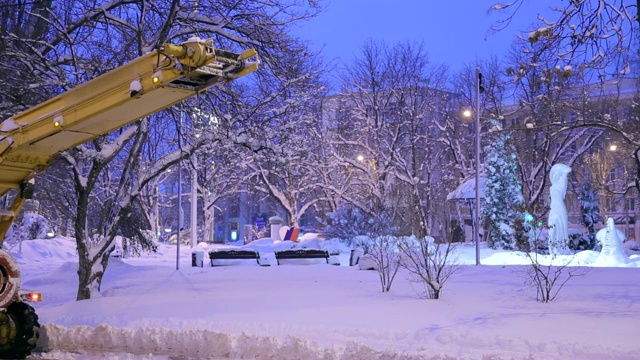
[[149, 83]]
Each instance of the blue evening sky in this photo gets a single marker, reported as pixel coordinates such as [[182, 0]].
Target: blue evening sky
[[455, 32]]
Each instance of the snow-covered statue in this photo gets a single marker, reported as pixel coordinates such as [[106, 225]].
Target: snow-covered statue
[[558, 220], [611, 239]]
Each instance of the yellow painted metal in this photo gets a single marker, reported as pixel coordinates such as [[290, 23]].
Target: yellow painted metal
[[30, 140], [7, 216]]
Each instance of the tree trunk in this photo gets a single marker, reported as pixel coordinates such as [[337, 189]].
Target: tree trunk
[[208, 226], [90, 273], [90, 277]]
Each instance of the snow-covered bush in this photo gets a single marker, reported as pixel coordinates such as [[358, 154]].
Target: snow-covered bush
[[345, 224], [580, 241], [522, 228], [136, 248], [429, 263], [549, 278], [385, 255], [355, 227], [31, 226], [631, 247]]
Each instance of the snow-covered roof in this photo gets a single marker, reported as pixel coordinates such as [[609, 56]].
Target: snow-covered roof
[[467, 190]]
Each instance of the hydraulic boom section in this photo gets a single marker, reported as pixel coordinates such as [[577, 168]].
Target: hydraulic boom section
[[149, 83]]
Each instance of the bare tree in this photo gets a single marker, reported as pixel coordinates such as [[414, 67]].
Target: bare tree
[[595, 33], [555, 98], [289, 165], [220, 174], [390, 121], [430, 264], [365, 151], [595, 38], [75, 46]]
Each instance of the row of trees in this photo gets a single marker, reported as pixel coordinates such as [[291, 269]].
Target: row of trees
[[51, 47], [392, 143]]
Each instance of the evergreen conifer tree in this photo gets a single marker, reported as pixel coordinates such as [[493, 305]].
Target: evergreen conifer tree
[[590, 214], [503, 193]]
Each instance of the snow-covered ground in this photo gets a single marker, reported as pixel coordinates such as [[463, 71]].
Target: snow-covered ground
[[150, 310]]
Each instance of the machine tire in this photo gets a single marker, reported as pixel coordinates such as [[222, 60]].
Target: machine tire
[[9, 278], [27, 331]]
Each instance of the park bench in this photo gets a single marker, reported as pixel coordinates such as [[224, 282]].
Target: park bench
[[302, 254], [234, 255]]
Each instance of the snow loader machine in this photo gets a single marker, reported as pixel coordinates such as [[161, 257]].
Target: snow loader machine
[[31, 139]]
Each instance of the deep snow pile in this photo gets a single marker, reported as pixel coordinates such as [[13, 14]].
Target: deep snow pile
[[150, 310]]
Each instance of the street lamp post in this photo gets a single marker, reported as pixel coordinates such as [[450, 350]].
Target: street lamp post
[[468, 114], [178, 240], [194, 202], [476, 233]]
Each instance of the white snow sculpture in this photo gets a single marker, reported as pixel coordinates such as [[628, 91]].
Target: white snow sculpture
[[558, 220], [611, 239]]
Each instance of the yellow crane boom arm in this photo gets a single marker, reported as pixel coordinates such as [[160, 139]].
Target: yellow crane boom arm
[[149, 83]]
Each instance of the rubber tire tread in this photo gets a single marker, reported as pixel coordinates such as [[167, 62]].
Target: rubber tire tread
[[27, 329]]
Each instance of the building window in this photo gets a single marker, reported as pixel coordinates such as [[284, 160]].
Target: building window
[[630, 204], [234, 209], [611, 176]]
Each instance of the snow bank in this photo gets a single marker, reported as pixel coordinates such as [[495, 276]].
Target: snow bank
[[83, 342]]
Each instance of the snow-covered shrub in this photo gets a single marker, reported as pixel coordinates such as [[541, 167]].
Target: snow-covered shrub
[[355, 227], [361, 242], [135, 229], [385, 254], [631, 247], [522, 226], [136, 248], [31, 226], [580, 241], [345, 223], [429, 263], [549, 278]]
